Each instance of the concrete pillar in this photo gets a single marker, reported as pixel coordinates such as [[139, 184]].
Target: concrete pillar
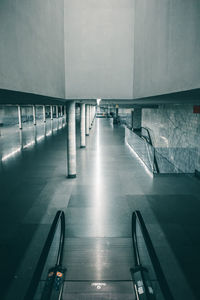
[[56, 111], [92, 113], [61, 112], [132, 118], [117, 112], [87, 120], [51, 111], [44, 113], [65, 113], [34, 115], [90, 117], [136, 118], [82, 125], [71, 140], [21, 138], [20, 116]]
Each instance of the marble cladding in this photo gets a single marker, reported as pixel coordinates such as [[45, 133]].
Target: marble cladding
[[175, 133], [148, 154]]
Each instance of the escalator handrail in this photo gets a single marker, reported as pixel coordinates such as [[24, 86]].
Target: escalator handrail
[[149, 136], [137, 217], [59, 217], [150, 142]]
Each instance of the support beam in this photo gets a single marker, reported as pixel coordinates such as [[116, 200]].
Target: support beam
[[90, 116], [82, 126], [44, 113], [136, 118], [34, 115], [117, 112], [65, 113], [94, 108], [20, 116], [87, 120], [71, 140], [51, 111], [132, 119]]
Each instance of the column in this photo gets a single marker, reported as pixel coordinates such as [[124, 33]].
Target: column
[[87, 120], [92, 113], [71, 140], [51, 111], [34, 115], [56, 111], [82, 125], [90, 117], [94, 109], [132, 118], [61, 112], [65, 113], [136, 119], [44, 113], [20, 116], [117, 112]]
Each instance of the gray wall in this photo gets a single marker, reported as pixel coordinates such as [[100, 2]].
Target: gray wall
[[99, 48], [167, 46], [175, 132], [32, 46]]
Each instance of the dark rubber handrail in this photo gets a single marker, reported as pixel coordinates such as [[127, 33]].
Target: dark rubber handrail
[[137, 218], [150, 142], [60, 217]]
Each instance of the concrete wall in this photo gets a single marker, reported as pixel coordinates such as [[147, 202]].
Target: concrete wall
[[32, 46], [167, 46], [99, 48], [175, 132]]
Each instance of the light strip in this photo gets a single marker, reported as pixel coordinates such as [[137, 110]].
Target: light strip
[[5, 157], [138, 158], [40, 138], [49, 133], [29, 145]]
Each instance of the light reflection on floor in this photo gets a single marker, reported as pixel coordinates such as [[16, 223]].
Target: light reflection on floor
[[13, 140]]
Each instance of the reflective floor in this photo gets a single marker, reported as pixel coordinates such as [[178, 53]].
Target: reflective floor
[[111, 183]]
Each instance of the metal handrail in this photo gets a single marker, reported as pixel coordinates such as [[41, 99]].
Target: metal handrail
[[137, 217], [59, 217], [149, 136], [154, 155]]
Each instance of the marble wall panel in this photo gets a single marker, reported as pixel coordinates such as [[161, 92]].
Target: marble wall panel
[[175, 133]]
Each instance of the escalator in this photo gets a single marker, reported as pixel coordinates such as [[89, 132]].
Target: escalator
[[50, 281]]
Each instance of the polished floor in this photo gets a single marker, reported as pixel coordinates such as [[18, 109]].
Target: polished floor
[[111, 183]]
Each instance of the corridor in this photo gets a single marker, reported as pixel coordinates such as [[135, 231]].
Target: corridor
[[111, 183]]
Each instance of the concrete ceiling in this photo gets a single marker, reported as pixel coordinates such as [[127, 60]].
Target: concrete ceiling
[[126, 51]]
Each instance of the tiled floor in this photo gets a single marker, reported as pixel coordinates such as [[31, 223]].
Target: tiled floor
[[111, 183]]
